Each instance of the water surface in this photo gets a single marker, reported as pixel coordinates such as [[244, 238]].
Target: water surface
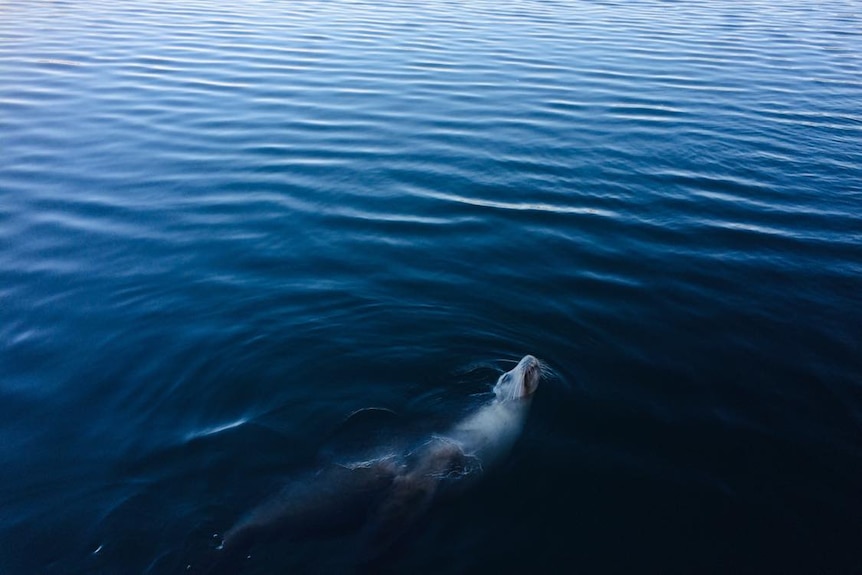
[[223, 228]]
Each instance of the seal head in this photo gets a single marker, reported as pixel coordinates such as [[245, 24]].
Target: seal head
[[521, 381]]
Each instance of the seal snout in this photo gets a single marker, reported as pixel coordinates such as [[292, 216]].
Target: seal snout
[[521, 381], [532, 373]]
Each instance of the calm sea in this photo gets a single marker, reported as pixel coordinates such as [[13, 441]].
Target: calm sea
[[224, 226]]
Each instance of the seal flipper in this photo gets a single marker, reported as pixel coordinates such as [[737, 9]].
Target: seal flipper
[[411, 494], [409, 499]]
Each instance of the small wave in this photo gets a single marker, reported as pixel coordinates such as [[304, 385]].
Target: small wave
[[521, 206], [214, 430], [58, 62]]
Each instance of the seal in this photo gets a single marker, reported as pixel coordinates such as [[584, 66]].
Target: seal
[[449, 463], [381, 498]]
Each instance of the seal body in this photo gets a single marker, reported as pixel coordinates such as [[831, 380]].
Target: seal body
[[455, 460], [333, 501], [381, 498], [490, 432]]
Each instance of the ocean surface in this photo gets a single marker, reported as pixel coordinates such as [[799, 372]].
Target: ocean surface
[[224, 227]]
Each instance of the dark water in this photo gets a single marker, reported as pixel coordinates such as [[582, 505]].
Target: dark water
[[225, 226]]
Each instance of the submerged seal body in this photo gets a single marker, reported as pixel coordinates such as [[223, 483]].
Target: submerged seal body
[[455, 460], [382, 497]]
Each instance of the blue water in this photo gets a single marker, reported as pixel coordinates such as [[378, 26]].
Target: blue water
[[226, 226]]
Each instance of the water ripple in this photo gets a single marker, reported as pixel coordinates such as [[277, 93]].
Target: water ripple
[[212, 212]]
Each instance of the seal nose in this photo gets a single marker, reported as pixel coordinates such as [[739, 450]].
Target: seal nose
[[532, 370], [529, 364]]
